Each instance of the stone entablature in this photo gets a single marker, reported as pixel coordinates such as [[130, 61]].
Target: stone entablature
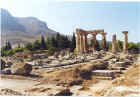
[[81, 39]]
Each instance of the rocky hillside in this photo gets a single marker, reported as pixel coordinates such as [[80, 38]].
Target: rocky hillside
[[25, 29]]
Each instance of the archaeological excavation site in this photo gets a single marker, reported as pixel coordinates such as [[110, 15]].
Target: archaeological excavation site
[[85, 72], [69, 48]]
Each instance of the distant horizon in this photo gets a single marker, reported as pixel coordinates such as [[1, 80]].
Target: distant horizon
[[65, 17]]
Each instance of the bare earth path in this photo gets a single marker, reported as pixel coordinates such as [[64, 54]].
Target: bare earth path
[[16, 84]]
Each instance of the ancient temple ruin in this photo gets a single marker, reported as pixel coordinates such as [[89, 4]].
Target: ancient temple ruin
[[81, 40]]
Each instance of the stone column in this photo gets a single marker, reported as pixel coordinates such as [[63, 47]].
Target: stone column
[[77, 41], [125, 43], [114, 47], [94, 40], [81, 43], [85, 42], [104, 40]]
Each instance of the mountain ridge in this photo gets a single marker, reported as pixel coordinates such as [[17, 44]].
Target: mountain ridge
[[22, 29]]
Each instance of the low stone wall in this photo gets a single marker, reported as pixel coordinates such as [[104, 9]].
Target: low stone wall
[[105, 73]]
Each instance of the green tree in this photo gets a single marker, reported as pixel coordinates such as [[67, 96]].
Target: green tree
[[58, 36], [8, 46], [48, 42], [73, 42], [120, 45], [51, 50], [43, 43], [66, 42], [110, 46], [134, 47], [54, 42], [28, 46], [5, 50], [36, 45], [97, 45]]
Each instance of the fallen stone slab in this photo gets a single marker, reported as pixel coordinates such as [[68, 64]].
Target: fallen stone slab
[[21, 69], [105, 73], [3, 63], [75, 82], [64, 92], [9, 92], [123, 64], [106, 58], [9, 64], [103, 78], [6, 71]]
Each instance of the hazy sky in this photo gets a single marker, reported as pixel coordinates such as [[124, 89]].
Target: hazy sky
[[65, 17]]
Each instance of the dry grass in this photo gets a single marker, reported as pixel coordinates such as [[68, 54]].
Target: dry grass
[[38, 90], [130, 78], [66, 76]]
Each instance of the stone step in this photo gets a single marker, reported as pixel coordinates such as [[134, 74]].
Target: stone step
[[106, 73], [104, 78], [118, 68]]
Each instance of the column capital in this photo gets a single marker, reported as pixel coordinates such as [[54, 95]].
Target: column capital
[[114, 35], [125, 32], [94, 34], [103, 33]]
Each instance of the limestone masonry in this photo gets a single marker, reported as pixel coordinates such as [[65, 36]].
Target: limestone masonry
[[81, 40]]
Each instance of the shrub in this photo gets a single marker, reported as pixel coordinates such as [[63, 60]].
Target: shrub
[[18, 50], [29, 46], [51, 50], [134, 47], [9, 52], [110, 47]]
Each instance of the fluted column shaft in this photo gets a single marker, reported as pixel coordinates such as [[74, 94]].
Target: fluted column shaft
[[104, 41], [78, 42], [125, 43], [81, 43], [114, 47], [95, 41], [85, 42]]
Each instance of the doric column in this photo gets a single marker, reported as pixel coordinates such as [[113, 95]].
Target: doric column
[[85, 42], [125, 43], [104, 40], [77, 41], [94, 40], [81, 43], [86, 45], [114, 49]]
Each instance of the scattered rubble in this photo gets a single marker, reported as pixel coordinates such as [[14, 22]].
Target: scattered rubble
[[65, 92], [6, 71], [3, 63], [21, 69], [9, 92], [70, 72]]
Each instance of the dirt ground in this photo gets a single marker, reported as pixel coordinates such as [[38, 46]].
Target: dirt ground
[[50, 83]]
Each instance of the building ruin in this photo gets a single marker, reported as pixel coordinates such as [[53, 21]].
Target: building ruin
[[82, 40]]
